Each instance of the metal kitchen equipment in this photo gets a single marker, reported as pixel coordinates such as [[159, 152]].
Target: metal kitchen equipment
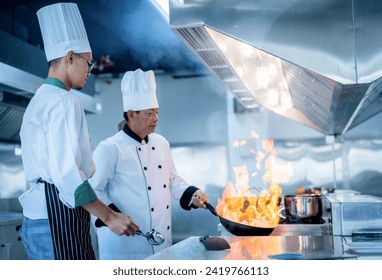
[[240, 229], [351, 213], [345, 214], [303, 205], [268, 54], [11, 246], [153, 237]]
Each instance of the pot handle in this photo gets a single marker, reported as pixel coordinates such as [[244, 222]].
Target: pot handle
[[211, 208], [281, 210]]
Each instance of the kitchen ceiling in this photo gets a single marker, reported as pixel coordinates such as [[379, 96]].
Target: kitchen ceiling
[[324, 56], [132, 33]]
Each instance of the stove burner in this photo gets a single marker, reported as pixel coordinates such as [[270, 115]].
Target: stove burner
[[296, 220]]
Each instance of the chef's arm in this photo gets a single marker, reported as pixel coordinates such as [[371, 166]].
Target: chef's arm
[[67, 144], [117, 222], [99, 222], [105, 159], [193, 198]]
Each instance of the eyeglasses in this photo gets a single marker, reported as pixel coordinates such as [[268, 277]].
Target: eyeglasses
[[90, 64]]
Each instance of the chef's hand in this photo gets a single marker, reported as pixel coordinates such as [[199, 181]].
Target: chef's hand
[[121, 224], [198, 199], [116, 221]]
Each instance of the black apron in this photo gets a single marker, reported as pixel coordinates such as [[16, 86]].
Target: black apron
[[70, 228]]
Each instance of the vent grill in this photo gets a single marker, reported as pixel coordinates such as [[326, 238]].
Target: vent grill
[[10, 123], [198, 39]]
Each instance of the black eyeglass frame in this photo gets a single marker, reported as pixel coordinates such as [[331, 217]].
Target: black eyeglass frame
[[90, 64]]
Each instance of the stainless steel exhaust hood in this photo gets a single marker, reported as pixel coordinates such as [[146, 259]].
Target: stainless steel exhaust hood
[[315, 62]]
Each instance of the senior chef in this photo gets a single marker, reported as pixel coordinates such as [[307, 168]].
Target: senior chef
[[56, 150], [136, 174]]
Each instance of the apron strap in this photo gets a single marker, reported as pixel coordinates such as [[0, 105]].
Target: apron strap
[[70, 228]]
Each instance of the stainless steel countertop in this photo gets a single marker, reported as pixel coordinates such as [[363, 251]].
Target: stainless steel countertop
[[10, 218], [312, 241], [261, 247]]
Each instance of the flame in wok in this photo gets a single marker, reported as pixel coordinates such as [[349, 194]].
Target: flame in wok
[[254, 206]]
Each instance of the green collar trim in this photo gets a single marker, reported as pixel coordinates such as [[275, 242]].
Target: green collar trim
[[55, 82]]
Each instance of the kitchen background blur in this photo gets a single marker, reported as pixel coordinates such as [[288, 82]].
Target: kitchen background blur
[[321, 108]]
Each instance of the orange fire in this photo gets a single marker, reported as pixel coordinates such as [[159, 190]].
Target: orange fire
[[254, 206]]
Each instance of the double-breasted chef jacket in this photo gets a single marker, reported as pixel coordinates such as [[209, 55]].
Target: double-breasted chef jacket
[[137, 177]]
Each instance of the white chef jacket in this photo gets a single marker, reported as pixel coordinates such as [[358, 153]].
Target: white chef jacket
[[56, 148], [139, 179]]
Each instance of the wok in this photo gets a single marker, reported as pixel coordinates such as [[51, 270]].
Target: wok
[[240, 229]]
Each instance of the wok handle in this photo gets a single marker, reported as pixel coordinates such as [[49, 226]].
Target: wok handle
[[211, 208]]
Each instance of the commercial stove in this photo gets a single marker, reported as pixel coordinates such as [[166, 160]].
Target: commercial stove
[[294, 226], [351, 227], [358, 220]]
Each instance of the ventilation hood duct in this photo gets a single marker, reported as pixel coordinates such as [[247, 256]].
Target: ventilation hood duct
[[315, 62], [12, 108], [22, 68]]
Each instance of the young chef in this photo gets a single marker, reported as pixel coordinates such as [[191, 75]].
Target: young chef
[[135, 173], [56, 151]]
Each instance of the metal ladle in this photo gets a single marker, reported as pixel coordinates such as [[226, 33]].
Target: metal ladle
[[153, 237]]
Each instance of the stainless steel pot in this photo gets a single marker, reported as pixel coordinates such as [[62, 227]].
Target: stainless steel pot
[[303, 205]]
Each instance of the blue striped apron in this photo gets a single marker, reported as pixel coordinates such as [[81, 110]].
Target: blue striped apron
[[70, 228]]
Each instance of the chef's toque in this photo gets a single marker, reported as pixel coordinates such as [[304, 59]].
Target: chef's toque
[[62, 30], [139, 90]]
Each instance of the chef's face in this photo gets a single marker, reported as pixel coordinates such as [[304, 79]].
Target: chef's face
[[83, 63], [144, 122]]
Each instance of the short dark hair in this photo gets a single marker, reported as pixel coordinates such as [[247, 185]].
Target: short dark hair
[[121, 124], [54, 63], [126, 117]]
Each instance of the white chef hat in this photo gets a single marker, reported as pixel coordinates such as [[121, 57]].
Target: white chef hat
[[139, 90], [62, 30]]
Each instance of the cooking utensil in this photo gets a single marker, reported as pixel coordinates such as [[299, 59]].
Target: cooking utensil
[[240, 229], [214, 243], [303, 205], [153, 237]]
